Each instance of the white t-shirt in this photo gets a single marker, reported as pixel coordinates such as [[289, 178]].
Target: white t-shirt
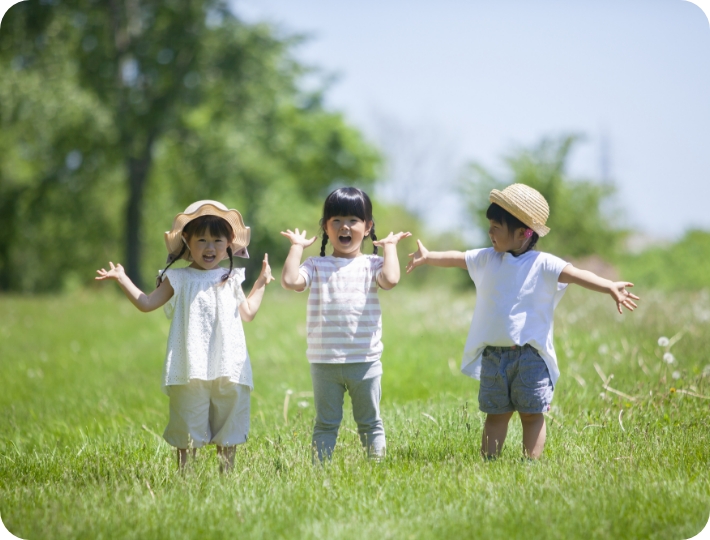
[[344, 321], [515, 302], [206, 339]]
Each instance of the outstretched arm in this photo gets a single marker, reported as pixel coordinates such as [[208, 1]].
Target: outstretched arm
[[589, 280], [291, 279], [389, 275], [144, 302], [250, 306], [445, 259]]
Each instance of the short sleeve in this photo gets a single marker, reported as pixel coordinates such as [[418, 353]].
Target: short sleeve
[[176, 283], [376, 265], [236, 279], [554, 265], [476, 260], [307, 270]]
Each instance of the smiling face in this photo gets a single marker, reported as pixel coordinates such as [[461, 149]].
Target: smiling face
[[207, 251], [346, 234], [502, 239]]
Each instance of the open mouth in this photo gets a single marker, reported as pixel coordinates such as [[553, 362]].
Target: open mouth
[[345, 240], [208, 258]]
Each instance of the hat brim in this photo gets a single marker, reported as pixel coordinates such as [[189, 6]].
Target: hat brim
[[499, 198], [242, 233]]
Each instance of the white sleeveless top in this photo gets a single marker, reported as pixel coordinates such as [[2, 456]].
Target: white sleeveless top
[[206, 339]]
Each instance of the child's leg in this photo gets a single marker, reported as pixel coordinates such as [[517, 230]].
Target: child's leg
[[328, 393], [226, 457], [228, 418], [534, 434], [494, 432], [365, 393], [182, 456]]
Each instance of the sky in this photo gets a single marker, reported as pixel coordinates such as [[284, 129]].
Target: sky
[[437, 85]]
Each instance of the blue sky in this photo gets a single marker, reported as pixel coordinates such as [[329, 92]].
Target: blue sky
[[439, 84]]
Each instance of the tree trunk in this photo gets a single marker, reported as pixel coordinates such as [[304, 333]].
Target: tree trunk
[[138, 169]]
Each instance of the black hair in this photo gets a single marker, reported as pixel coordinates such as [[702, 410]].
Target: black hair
[[501, 215], [347, 201], [216, 226]]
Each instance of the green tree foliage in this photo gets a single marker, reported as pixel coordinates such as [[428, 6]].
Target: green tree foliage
[[681, 266], [117, 115], [580, 221]]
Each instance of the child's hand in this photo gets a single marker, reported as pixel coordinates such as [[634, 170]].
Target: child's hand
[[116, 273], [265, 274], [297, 238], [391, 239], [417, 258], [622, 297]]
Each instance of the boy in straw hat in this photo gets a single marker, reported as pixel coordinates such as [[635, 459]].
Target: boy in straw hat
[[509, 346]]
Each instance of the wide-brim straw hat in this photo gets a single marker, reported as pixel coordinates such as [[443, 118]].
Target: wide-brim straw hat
[[242, 233], [526, 204]]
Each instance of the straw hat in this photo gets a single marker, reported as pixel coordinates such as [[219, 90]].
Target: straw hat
[[242, 234], [526, 204]]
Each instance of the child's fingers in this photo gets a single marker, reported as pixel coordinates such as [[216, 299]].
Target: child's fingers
[[266, 258]]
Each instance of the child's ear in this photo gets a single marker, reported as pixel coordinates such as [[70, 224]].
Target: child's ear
[[369, 225]]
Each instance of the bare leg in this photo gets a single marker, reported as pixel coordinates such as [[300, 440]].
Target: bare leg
[[494, 431], [182, 457], [534, 434], [226, 457]]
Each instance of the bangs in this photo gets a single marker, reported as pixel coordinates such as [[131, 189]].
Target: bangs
[[502, 216], [347, 202], [216, 226]]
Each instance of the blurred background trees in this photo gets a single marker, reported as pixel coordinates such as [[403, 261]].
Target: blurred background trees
[[115, 115]]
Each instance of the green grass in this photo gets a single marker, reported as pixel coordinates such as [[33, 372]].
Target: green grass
[[81, 412]]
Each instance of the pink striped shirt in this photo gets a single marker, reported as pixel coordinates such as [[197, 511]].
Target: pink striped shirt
[[344, 321]]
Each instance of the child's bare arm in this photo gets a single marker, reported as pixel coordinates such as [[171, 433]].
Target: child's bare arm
[[589, 280], [445, 259], [144, 302], [250, 306], [389, 275], [291, 279]]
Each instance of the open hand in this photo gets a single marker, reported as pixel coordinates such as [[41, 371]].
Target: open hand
[[265, 274], [417, 258], [391, 238], [116, 273], [298, 238], [622, 297]]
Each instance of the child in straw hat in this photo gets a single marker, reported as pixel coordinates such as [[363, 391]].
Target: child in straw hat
[[207, 374], [509, 346]]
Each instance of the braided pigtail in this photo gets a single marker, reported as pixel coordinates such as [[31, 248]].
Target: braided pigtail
[[322, 246], [374, 238], [225, 277], [159, 279]]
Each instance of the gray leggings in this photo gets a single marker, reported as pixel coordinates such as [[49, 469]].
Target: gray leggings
[[362, 382]]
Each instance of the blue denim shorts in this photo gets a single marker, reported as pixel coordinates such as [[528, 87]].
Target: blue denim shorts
[[514, 379]]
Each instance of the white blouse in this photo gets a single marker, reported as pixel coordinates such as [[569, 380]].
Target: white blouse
[[206, 339]]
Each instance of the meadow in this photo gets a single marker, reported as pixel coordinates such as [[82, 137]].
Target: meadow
[[627, 455]]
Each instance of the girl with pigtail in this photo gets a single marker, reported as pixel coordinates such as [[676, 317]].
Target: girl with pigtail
[[344, 322], [207, 373]]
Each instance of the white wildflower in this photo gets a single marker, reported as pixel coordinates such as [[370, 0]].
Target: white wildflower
[[303, 404], [663, 341], [668, 358], [676, 375], [603, 348]]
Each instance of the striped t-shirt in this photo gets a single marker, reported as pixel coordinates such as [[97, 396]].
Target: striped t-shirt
[[344, 321]]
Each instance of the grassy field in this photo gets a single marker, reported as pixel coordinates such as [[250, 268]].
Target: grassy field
[[627, 456]]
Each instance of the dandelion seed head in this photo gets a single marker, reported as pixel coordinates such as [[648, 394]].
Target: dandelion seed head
[[303, 404], [603, 348], [676, 375], [602, 395], [663, 341], [668, 358]]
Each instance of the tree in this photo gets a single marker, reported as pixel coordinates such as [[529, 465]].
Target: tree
[[193, 104], [581, 220]]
